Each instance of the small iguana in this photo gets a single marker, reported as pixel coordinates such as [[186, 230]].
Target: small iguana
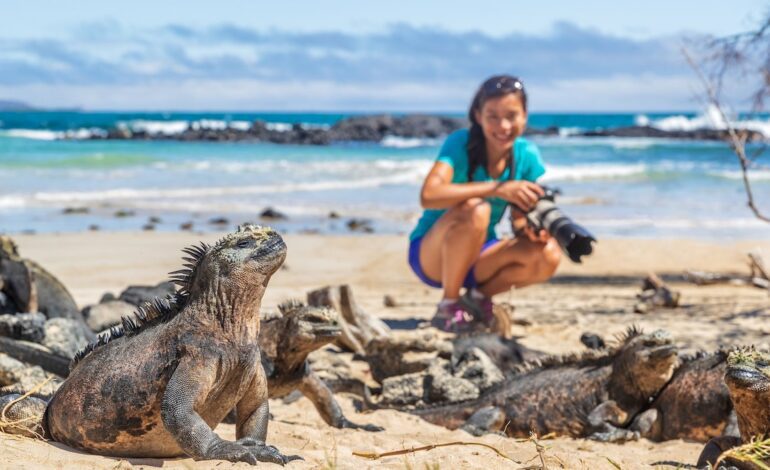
[[592, 395], [157, 386], [286, 341], [748, 380]]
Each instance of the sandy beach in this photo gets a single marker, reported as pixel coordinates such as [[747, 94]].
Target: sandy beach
[[597, 296]]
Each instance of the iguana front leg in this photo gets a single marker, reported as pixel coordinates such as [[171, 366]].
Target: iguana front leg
[[604, 421], [322, 397], [253, 414], [187, 388], [648, 424], [490, 419]]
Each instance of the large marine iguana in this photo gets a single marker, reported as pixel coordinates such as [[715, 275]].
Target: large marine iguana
[[156, 386], [748, 380], [694, 405], [285, 342], [591, 395]]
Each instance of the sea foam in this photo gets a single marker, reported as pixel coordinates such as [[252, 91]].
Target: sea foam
[[711, 118]]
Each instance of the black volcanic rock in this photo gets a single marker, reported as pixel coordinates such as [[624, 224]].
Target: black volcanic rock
[[649, 131], [271, 214], [375, 128], [551, 130]]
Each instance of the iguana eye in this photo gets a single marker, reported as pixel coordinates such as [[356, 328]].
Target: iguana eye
[[245, 243]]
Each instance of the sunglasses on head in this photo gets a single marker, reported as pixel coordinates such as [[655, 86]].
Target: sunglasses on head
[[504, 84]]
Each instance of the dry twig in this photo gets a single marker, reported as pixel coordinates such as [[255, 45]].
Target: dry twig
[[379, 455]]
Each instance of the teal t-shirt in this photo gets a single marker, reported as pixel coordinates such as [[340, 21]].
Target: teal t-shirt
[[528, 166]]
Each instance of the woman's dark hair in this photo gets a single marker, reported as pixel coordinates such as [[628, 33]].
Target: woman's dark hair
[[492, 87]]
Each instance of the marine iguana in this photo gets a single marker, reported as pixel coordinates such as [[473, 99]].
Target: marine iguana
[[286, 341], [156, 386], [591, 395], [694, 405], [748, 380]]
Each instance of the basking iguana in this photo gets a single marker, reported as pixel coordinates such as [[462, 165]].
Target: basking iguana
[[592, 395], [157, 386], [286, 341], [748, 380], [694, 405]]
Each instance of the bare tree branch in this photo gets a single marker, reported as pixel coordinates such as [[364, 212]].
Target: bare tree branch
[[737, 140]]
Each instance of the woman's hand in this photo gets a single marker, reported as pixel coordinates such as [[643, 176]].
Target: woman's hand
[[521, 227], [523, 194], [540, 236]]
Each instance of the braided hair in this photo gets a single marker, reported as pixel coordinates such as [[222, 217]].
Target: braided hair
[[493, 87]]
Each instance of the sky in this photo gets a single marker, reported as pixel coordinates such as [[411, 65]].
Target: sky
[[303, 55]]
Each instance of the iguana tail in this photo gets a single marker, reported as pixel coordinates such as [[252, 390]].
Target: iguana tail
[[22, 414]]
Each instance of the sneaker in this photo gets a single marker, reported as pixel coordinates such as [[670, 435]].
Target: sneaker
[[453, 318], [482, 308]]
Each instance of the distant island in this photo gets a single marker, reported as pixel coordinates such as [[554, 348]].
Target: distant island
[[13, 105]]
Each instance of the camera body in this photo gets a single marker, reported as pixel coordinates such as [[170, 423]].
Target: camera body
[[575, 240]]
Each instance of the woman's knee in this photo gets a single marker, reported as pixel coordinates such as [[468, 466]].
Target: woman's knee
[[550, 257], [475, 212]]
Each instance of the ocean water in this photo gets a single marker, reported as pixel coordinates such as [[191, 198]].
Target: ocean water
[[616, 187]]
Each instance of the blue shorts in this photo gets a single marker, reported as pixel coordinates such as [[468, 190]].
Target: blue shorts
[[414, 262]]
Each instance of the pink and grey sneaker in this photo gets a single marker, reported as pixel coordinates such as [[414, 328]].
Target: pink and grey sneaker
[[481, 307], [453, 317]]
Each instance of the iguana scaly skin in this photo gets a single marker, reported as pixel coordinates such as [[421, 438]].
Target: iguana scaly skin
[[286, 341], [592, 395], [748, 379], [695, 405], [157, 386]]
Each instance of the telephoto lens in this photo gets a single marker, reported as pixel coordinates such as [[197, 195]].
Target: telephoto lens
[[575, 240]]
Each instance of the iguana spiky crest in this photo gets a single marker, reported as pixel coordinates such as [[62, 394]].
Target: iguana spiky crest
[[583, 358], [162, 310]]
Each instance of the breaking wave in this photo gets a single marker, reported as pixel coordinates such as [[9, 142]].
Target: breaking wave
[[711, 118]]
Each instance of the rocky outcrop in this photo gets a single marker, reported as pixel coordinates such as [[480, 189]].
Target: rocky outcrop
[[375, 128], [64, 337], [137, 295], [24, 326], [101, 316]]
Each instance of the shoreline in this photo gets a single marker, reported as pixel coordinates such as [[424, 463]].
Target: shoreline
[[74, 255]]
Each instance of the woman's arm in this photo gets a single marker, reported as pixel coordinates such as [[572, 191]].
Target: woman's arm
[[438, 191]]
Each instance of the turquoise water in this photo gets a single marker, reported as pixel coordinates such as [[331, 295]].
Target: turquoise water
[[615, 187]]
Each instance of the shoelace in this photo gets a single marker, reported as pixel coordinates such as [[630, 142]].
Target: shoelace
[[459, 317]]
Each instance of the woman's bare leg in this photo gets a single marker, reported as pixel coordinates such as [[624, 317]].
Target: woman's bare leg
[[516, 263], [452, 245]]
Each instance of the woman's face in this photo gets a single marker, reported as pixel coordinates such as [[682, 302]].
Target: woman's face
[[502, 119]]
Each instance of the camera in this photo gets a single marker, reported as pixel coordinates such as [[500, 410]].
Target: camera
[[575, 240]]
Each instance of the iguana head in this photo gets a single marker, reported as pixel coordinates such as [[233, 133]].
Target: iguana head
[[748, 380], [644, 364], [308, 328], [247, 257], [749, 370]]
